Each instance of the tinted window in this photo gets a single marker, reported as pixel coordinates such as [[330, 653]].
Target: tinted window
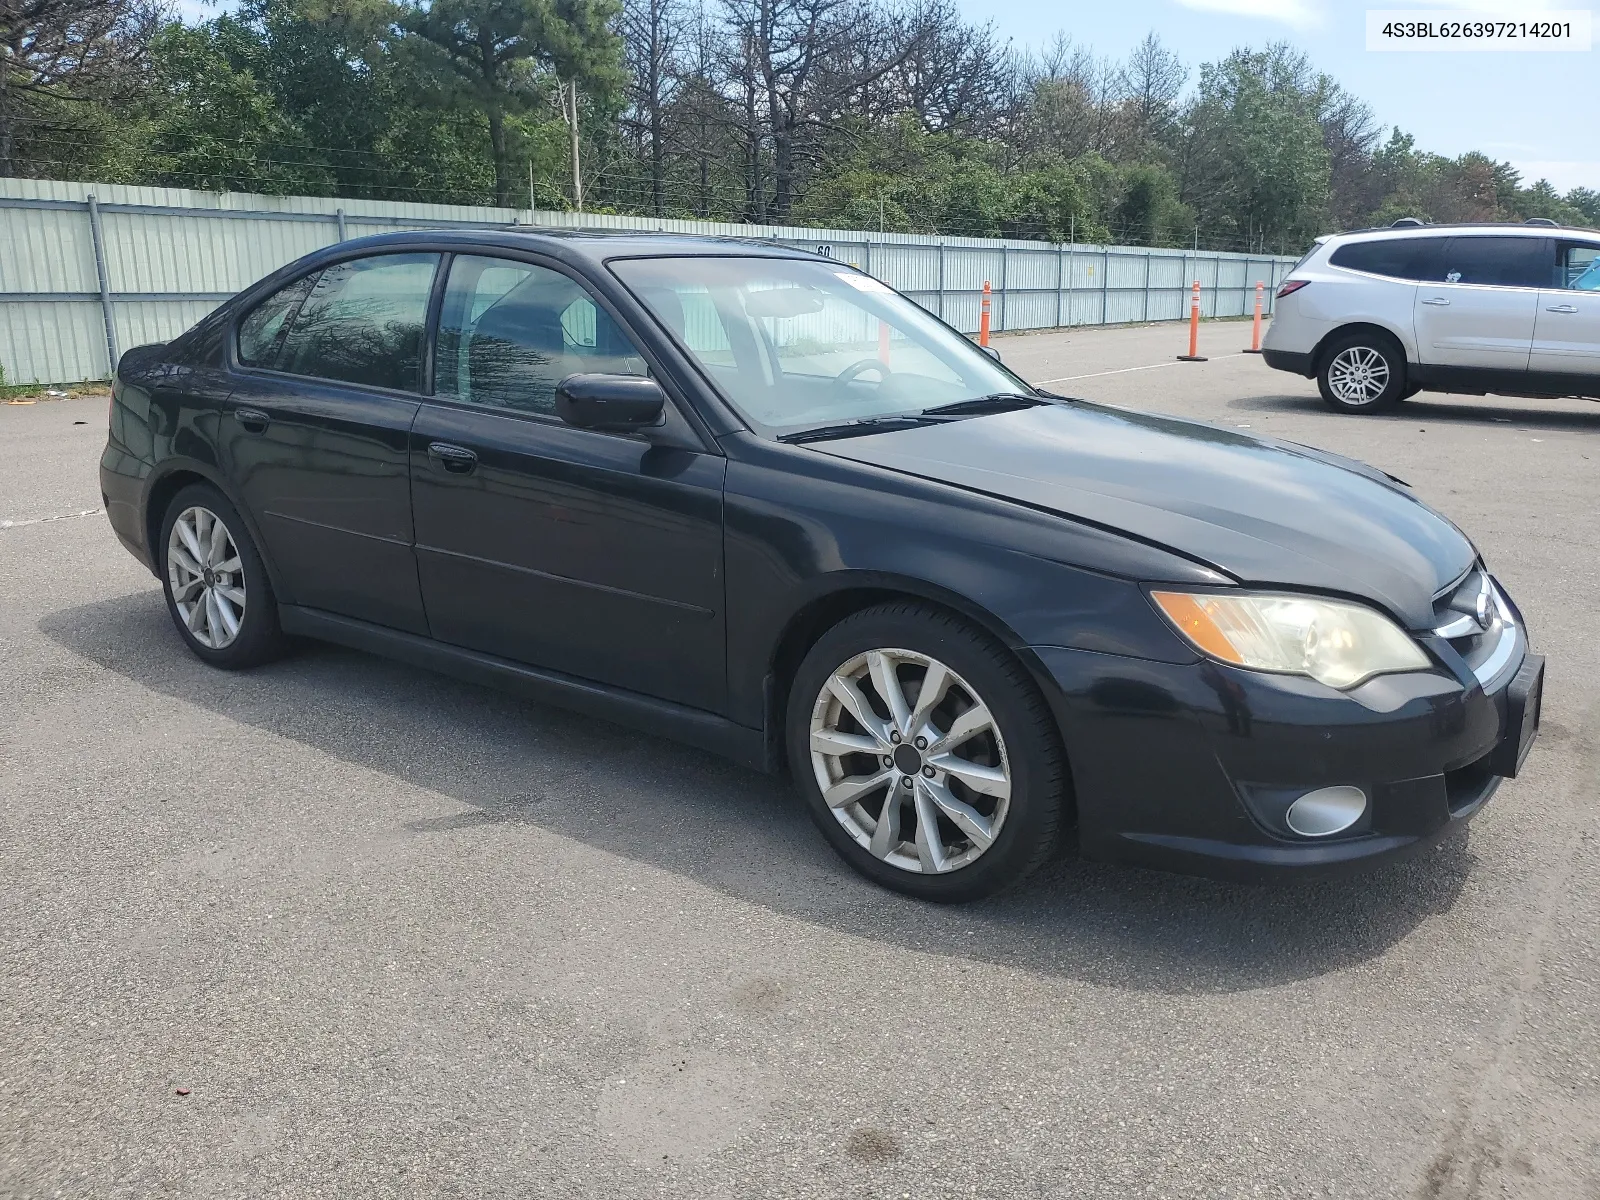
[[1579, 268], [1500, 261], [1396, 258], [363, 322], [509, 332], [262, 325]]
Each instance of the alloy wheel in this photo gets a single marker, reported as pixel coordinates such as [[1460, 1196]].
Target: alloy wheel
[[910, 761], [206, 577], [1358, 375]]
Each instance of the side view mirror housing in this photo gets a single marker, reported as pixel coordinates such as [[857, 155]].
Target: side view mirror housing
[[611, 403], [991, 352]]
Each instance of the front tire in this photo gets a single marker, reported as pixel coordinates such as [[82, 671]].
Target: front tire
[[216, 585], [1362, 373], [925, 754]]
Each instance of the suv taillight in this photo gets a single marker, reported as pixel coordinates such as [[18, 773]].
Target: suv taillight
[[1291, 286]]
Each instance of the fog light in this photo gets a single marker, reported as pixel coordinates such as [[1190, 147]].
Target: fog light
[[1326, 811]]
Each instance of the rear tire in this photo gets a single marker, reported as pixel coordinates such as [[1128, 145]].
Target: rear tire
[[1362, 373], [216, 585], [977, 776]]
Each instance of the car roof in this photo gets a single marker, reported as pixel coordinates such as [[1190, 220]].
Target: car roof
[[594, 245], [1378, 232]]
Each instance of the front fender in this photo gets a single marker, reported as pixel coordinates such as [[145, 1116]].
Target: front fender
[[799, 547]]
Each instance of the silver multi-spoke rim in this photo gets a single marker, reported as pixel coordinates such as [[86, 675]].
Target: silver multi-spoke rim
[[206, 577], [910, 761], [1358, 375]]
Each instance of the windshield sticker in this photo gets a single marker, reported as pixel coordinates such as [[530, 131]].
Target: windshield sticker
[[863, 283]]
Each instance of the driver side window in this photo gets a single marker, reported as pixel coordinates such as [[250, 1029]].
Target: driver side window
[[1579, 268], [509, 332]]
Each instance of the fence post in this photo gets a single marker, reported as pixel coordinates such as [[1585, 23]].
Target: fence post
[[339, 216], [1105, 286], [1004, 260], [941, 281], [1060, 255], [867, 265], [106, 313], [1147, 286], [1072, 266]]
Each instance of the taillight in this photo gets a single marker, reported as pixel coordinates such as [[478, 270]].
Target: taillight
[[1291, 286]]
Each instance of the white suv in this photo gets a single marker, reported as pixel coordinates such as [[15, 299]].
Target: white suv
[[1378, 315]]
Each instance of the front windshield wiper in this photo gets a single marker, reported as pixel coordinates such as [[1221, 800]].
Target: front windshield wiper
[[861, 426], [978, 405]]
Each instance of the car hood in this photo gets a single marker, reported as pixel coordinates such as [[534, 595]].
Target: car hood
[[1268, 513]]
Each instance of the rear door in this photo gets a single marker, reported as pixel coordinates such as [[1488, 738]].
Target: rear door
[[1566, 337], [595, 554], [318, 433], [1480, 310]]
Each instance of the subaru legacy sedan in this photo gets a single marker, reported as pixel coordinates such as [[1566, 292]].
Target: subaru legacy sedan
[[758, 501]]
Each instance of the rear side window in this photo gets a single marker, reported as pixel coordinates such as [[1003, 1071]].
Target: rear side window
[[363, 322], [262, 326], [509, 332], [1500, 261], [1393, 258], [1578, 268]]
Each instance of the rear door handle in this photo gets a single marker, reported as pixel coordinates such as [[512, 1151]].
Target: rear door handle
[[252, 419], [1437, 301], [453, 458], [1563, 308]]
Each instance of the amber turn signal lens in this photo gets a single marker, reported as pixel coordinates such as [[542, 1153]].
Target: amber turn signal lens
[[1187, 613]]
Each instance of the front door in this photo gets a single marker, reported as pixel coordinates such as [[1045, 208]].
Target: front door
[[318, 433], [1480, 311], [597, 555], [1566, 337]]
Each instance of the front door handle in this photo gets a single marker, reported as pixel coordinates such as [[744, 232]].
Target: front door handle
[[253, 419], [1563, 308], [453, 458], [1437, 301]]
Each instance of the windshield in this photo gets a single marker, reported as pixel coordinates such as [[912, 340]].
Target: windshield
[[793, 343]]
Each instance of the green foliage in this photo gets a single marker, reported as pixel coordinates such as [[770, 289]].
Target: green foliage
[[1149, 213], [456, 101], [1260, 165], [1587, 202]]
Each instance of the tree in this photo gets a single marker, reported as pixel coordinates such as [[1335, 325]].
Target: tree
[[1587, 202], [651, 33], [1152, 82], [1254, 162], [504, 53], [59, 54]]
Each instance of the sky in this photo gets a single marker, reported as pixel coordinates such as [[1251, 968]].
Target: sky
[[1538, 111]]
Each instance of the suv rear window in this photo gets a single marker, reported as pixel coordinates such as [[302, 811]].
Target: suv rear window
[[1393, 258]]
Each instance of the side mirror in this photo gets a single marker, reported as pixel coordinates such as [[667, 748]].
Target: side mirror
[[991, 352], [613, 403]]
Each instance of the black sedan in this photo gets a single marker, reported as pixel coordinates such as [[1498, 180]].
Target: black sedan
[[758, 501]]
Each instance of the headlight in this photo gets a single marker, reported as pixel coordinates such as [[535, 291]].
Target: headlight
[[1333, 642]]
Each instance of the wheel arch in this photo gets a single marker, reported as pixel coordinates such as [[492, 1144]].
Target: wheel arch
[[1372, 328], [173, 476], [854, 592]]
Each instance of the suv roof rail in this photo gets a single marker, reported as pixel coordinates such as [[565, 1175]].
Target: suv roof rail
[[1405, 222], [1543, 221]]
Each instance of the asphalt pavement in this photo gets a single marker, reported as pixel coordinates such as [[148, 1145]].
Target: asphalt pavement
[[339, 927]]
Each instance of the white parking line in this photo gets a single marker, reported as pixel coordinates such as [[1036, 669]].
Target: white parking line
[[1125, 370], [88, 512]]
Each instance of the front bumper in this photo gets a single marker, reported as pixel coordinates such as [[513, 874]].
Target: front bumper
[[1191, 767]]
